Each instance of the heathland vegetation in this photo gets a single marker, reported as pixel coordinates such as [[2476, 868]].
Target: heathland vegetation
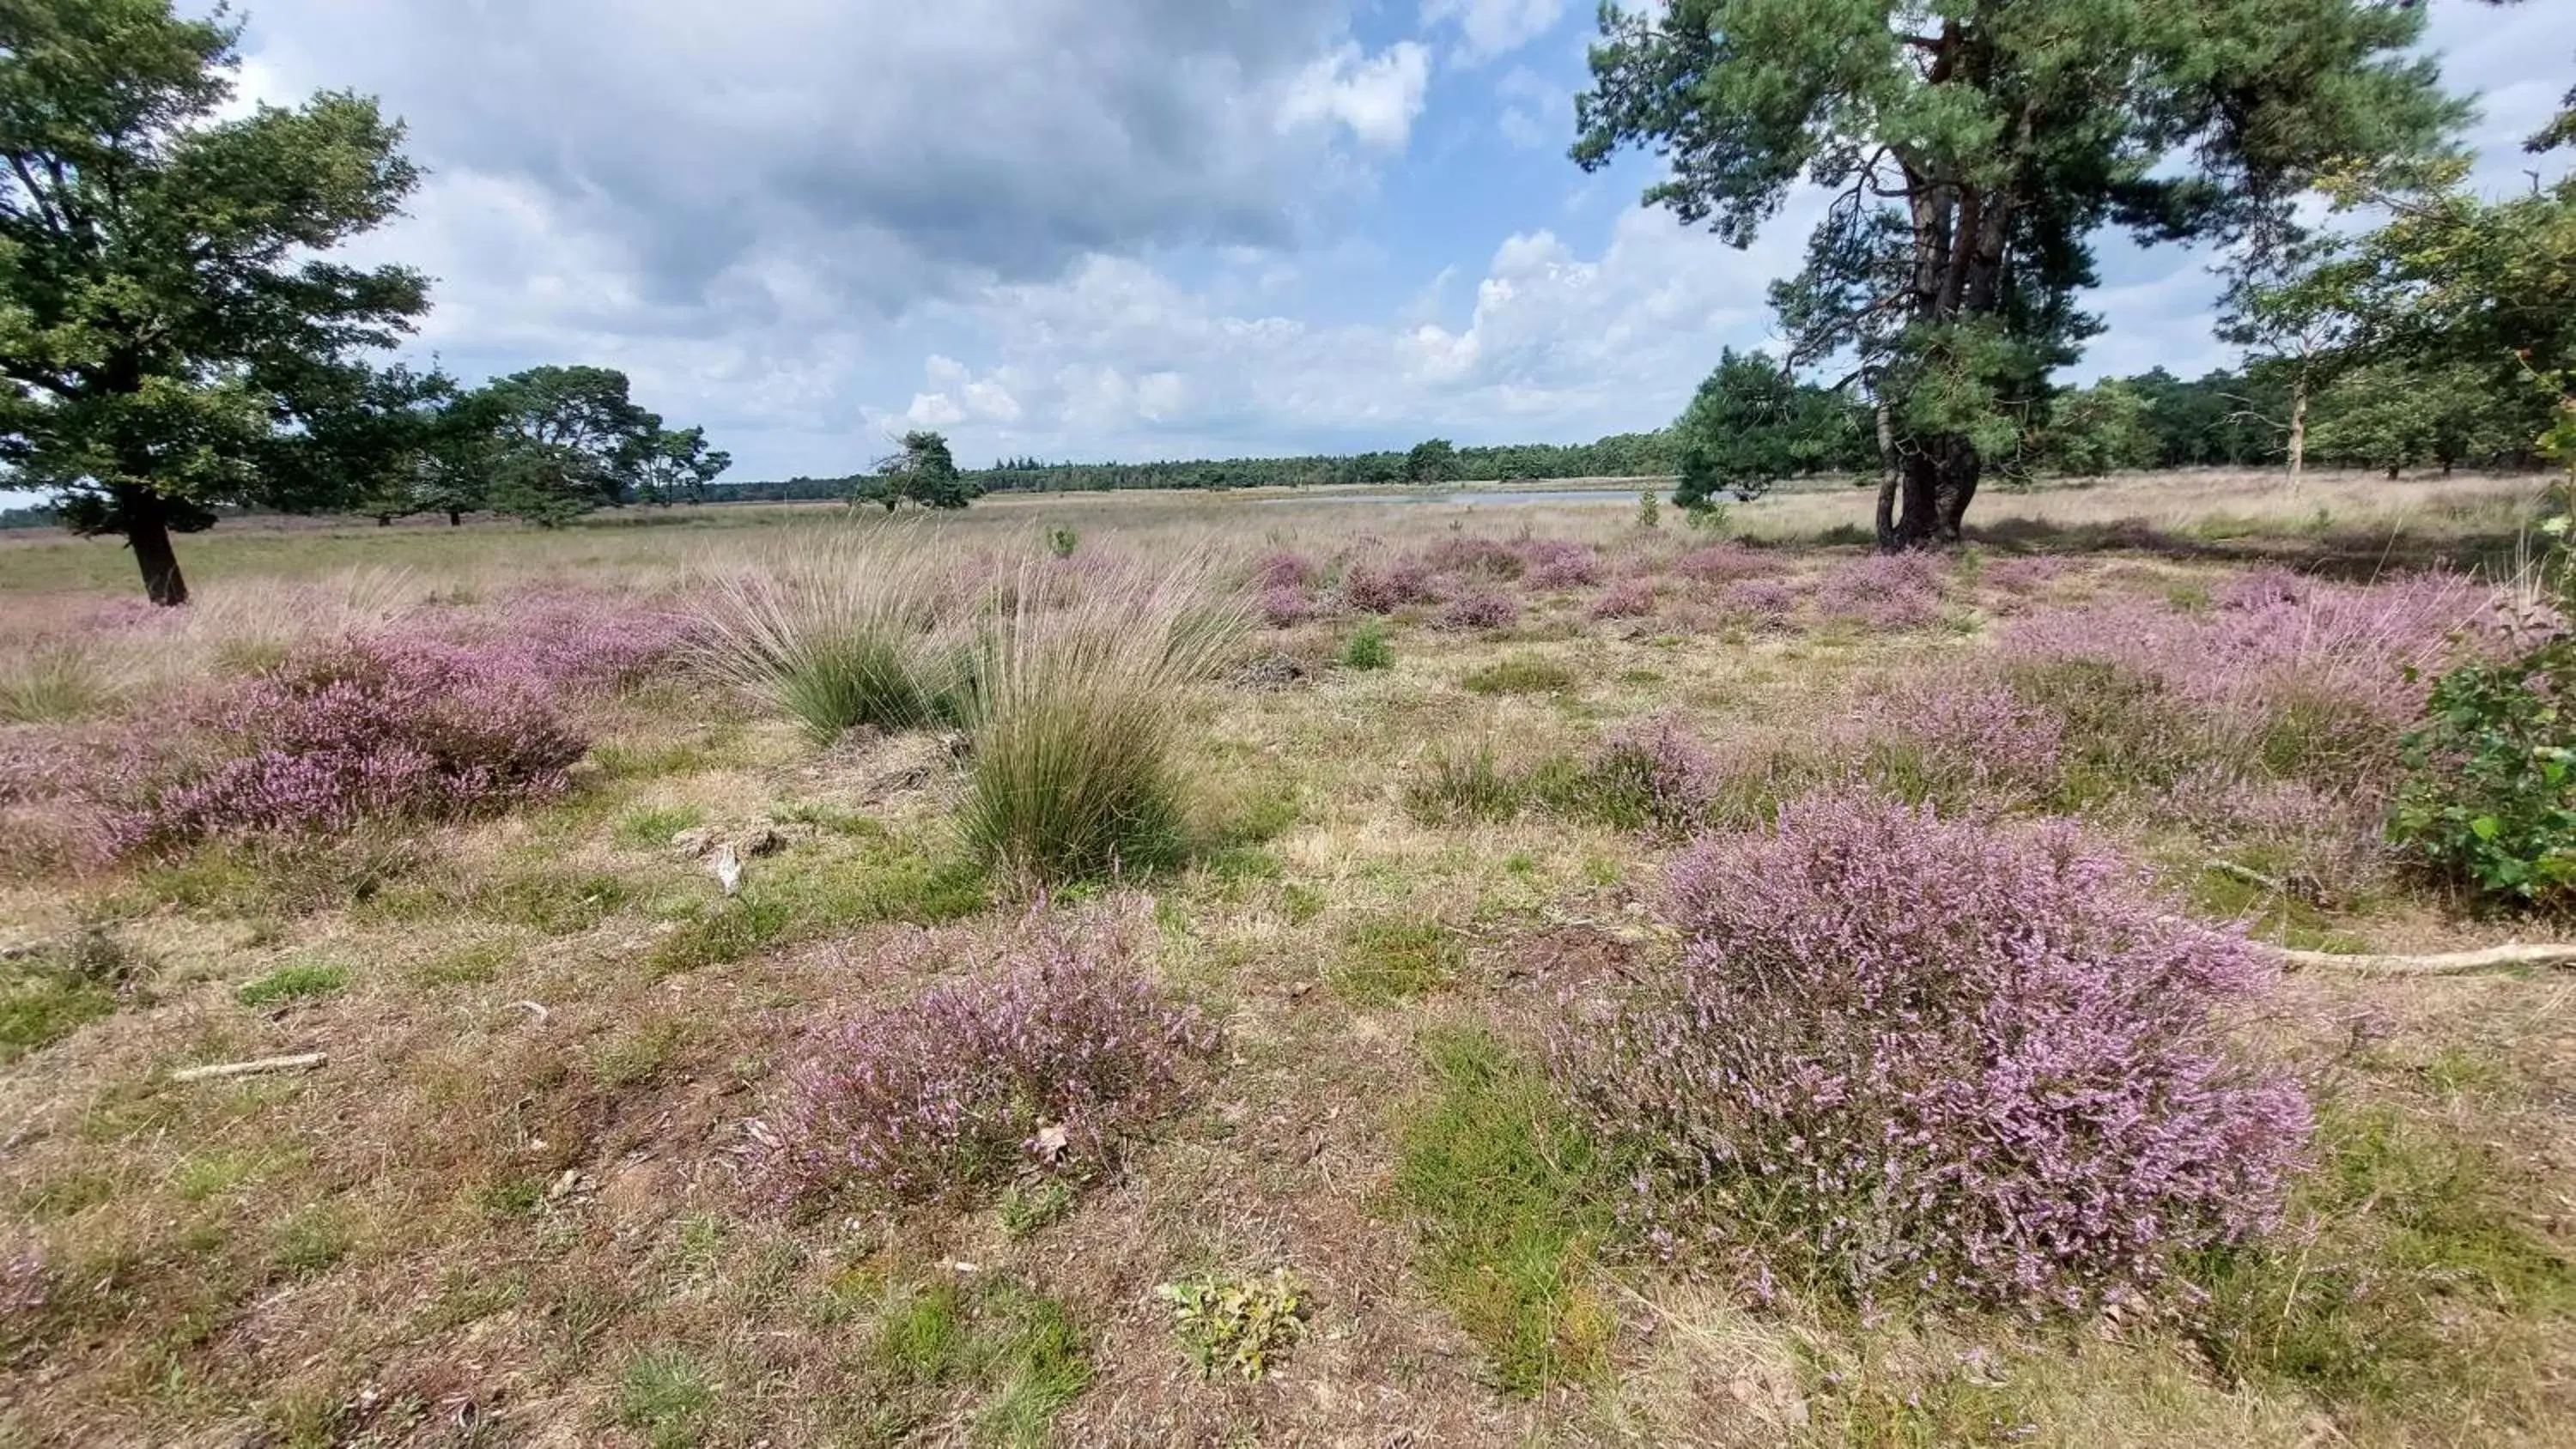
[[1137, 967]]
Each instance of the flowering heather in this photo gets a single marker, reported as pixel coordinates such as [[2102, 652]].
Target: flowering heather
[[1560, 563], [1473, 556], [2023, 575], [1283, 606], [581, 641], [361, 727], [1946, 738], [1658, 773], [1626, 599], [1284, 569], [1045, 1061], [1480, 611], [2300, 676], [1383, 587], [1768, 603], [1883, 591], [2329, 840], [1720, 563], [1903, 1055]]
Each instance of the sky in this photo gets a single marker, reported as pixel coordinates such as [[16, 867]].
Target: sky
[[1096, 229]]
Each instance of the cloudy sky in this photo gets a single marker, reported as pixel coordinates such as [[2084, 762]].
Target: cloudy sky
[[1101, 228]]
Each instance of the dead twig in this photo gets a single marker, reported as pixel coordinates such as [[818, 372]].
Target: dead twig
[[264, 1066]]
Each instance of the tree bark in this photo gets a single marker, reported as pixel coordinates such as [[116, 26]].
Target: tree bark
[[2298, 429], [1919, 491], [456, 518], [147, 532], [1960, 473], [1890, 476]]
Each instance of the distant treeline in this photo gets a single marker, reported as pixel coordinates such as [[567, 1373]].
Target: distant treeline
[[1624, 455]]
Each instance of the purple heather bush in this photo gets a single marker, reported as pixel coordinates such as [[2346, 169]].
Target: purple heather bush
[[1959, 739], [1766, 603], [1657, 772], [1904, 1056], [1485, 610], [1283, 606], [1560, 563], [1046, 1060], [1883, 591], [2023, 575], [1383, 586], [1626, 599], [1284, 569], [2295, 676], [1720, 563], [584, 642], [1473, 556], [351, 729]]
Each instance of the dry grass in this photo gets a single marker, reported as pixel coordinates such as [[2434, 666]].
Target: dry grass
[[511, 1209]]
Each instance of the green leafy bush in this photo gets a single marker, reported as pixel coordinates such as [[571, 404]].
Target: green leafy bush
[[2490, 794], [1368, 648]]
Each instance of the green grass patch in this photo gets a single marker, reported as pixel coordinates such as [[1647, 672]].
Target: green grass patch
[[801, 896], [295, 981], [1508, 1196], [652, 829], [1522, 674], [2412, 1272], [1463, 786], [1008, 1357], [47, 995], [1395, 958], [667, 1395]]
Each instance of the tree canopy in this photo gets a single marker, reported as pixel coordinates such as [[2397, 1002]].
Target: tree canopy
[[174, 336], [1972, 150]]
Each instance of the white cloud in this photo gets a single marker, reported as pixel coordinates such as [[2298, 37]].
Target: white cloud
[[1556, 345], [1375, 97], [1488, 28], [1536, 115]]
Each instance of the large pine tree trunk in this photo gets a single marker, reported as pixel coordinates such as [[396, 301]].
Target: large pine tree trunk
[[456, 518], [147, 532], [1891, 477]]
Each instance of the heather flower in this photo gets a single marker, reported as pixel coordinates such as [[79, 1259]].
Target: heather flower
[[1903, 1055], [1474, 556], [1626, 599], [1480, 611], [1883, 591], [1657, 772], [1283, 606], [1769, 603], [1560, 563], [1947, 738], [2023, 575], [352, 729], [1724, 563], [581, 641], [1382, 588], [1047, 1061], [1284, 569]]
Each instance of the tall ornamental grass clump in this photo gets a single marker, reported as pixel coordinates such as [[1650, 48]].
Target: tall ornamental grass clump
[[1905, 1056], [352, 729], [1077, 720], [855, 632], [1045, 1061]]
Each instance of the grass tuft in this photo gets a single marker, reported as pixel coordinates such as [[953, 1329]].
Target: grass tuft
[[300, 981], [1505, 1189], [1395, 959]]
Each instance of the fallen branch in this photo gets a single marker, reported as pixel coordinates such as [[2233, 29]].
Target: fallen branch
[[2448, 963], [224, 1071]]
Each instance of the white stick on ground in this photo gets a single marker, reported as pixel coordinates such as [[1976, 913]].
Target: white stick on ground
[[2449, 963], [300, 1062]]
